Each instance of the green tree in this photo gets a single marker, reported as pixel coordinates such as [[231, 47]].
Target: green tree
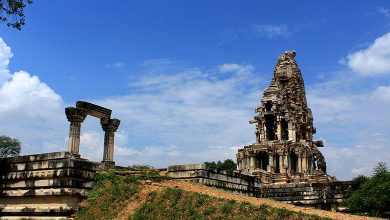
[[228, 164], [373, 196], [12, 12], [9, 147]]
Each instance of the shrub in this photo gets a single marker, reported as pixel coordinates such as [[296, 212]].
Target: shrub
[[372, 197]]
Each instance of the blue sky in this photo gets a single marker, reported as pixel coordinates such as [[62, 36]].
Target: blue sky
[[185, 76]]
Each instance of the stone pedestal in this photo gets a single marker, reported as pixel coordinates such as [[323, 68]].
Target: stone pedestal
[[109, 127]]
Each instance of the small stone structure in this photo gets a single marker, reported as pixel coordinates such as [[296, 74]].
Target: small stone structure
[[51, 185], [77, 115], [284, 150]]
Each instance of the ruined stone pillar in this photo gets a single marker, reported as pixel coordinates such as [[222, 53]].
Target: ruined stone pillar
[[279, 130], [285, 163], [281, 159], [75, 116], [271, 159], [109, 127], [304, 164], [262, 133], [290, 131], [253, 163], [299, 168]]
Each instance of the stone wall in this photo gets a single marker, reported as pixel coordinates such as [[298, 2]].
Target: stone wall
[[44, 186], [234, 181], [328, 196]]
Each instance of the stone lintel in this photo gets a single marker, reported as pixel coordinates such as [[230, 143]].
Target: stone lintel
[[94, 110]]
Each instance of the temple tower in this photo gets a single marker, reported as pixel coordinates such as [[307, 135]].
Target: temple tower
[[284, 148]]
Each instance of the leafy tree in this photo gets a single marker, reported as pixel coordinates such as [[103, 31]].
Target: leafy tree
[[228, 164], [11, 12], [360, 180], [9, 147], [373, 197], [211, 165]]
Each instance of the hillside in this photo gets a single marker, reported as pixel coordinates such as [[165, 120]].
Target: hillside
[[131, 197]]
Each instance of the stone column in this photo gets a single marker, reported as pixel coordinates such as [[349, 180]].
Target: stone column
[[243, 162], [75, 116], [279, 130], [299, 163], [271, 158], [304, 164], [109, 127], [253, 164], [281, 161]]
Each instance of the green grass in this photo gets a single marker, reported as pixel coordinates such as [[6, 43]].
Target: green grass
[[111, 194], [174, 203]]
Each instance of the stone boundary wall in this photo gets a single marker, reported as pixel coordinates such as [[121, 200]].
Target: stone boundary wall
[[328, 196], [234, 181], [44, 186]]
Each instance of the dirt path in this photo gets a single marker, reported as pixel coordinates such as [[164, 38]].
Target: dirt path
[[194, 187]]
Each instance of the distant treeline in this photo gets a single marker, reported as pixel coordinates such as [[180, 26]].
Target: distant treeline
[[228, 164]]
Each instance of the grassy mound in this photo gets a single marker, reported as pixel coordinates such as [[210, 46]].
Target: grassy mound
[[174, 203], [112, 193]]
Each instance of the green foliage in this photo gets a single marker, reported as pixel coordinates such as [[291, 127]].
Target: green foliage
[[360, 180], [9, 147], [372, 197], [12, 12], [108, 196], [228, 164], [174, 203], [141, 167]]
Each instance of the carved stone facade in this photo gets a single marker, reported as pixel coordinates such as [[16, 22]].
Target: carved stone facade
[[284, 150]]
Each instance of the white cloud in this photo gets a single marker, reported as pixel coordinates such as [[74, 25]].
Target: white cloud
[[29, 109], [26, 91], [271, 30], [352, 120], [373, 60], [181, 110], [384, 11], [233, 67], [382, 93], [5, 55]]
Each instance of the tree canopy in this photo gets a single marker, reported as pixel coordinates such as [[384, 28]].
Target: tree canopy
[[9, 147], [373, 195], [12, 12], [228, 164]]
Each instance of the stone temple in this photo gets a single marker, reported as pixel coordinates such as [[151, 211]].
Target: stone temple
[[284, 150]]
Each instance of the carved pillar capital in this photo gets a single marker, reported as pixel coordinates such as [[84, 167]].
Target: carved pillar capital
[[110, 125], [75, 114]]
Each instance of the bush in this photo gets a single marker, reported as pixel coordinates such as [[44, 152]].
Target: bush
[[373, 196]]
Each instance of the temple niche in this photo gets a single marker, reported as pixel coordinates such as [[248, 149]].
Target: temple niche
[[284, 150]]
